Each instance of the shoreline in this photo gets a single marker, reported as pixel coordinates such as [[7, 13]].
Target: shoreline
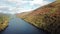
[[4, 25], [36, 26]]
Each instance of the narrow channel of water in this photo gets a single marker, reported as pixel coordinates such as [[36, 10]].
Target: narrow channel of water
[[19, 26]]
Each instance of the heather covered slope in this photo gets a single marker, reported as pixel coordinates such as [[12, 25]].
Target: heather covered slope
[[46, 17], [3, 21]]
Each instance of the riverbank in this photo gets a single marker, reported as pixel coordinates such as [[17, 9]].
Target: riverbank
[[4, 23], [35, 25]]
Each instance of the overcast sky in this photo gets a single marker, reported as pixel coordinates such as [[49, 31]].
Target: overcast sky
[[18, 6]]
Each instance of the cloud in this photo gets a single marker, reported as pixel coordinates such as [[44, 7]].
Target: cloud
[[18, 6], [6, 9]]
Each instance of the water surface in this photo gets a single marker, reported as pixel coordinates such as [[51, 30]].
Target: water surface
[[19, 26]]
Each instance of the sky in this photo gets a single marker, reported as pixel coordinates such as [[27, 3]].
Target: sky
[[18, 6]]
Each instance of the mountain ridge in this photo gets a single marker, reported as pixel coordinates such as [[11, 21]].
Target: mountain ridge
[[46, 17]]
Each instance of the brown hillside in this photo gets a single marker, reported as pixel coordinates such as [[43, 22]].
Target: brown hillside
[[46, 17]]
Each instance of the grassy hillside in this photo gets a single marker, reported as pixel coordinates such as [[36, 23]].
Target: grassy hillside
[[24, 14], [3, 21], [46, 17]]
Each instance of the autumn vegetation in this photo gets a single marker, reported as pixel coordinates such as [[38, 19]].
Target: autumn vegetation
[[46, 17], [3, 22]]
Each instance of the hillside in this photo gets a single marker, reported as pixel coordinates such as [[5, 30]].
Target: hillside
[[24, 14], [3, 21], [46, 17]]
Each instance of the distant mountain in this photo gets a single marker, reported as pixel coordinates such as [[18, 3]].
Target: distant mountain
[[24, 14], [46, 17]]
